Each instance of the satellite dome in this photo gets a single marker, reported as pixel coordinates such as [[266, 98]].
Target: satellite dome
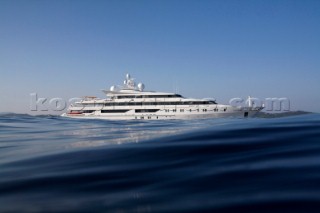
[[128, 76], [141, 86], [113, 88]]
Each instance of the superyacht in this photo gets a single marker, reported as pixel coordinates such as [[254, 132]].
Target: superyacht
[[131, 101]]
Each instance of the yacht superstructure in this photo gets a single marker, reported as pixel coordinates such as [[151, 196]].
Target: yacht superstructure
[[130, 101]]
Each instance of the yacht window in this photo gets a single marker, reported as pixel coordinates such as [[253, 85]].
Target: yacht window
[[88, 111], [88, 104], [146, 110], [125, 96], [153, 96], [115, 111]]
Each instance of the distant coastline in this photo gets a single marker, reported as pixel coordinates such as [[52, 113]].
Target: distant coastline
[[281, 114]]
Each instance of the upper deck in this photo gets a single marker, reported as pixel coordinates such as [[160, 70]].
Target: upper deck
[[132, 92]]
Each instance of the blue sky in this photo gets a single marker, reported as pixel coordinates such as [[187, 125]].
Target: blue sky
[[221, 49]]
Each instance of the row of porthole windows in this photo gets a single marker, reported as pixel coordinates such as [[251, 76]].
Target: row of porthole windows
[[190, 110], [148, 117], [174, 110]]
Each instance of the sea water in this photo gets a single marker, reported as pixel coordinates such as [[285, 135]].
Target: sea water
[[57, 164]]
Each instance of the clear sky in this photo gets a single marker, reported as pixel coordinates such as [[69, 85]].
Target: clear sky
[[216, 48]]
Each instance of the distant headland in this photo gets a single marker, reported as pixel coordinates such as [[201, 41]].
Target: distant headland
[[281, 114]]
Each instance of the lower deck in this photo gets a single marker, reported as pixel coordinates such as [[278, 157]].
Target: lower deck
[[148, 114]]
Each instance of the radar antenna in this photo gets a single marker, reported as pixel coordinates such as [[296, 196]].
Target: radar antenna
[[129, 83]]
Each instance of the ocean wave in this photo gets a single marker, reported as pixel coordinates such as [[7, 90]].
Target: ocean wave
[[222, 165]]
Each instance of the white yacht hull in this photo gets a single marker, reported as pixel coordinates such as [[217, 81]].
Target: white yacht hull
[[131, 102], [166, 116]]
